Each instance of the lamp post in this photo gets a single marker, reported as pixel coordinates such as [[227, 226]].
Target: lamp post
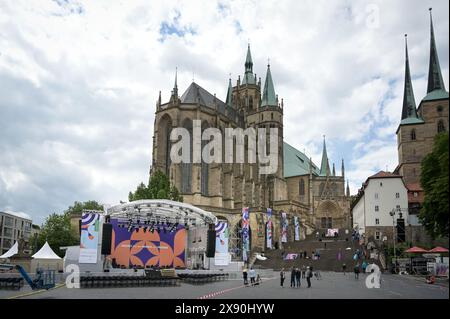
[[392, 213]]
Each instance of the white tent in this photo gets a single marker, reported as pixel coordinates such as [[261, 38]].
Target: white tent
[[46, 253], [12, 251]]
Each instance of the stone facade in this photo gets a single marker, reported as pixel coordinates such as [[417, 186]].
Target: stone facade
[[226, 188]]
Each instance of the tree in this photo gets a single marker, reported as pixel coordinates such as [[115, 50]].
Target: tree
[[434, 214], [57, 229], [158, 188]]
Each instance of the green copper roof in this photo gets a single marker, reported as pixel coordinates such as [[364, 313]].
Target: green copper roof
[[436, 95], [325, 166], [409, 103], [249, 78], [229, 100], [295, 162], [435, 80], [269, 97], [411, 120]]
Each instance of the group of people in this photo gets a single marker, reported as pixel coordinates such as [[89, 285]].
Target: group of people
[[297, 274], [255, 279]]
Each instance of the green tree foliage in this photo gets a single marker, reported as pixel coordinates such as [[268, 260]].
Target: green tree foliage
[[57, 230], [434, 214], [158, 188]]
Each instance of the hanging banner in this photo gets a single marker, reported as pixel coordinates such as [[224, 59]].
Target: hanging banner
[[297, 228], [284, 227], [221, 258], [245, 233], [269, 228], [90, 232]]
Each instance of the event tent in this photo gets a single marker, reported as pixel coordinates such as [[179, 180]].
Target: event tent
[[416, 249], [11, 252], [438, 249], [46, 253]]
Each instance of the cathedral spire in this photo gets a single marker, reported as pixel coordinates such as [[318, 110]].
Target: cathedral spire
[[334, 170], [249, 77], [348, 190], [175, 86], [229, 100], [409, 103], [435, 80], [269, 98], [342, 168], [325, 166]]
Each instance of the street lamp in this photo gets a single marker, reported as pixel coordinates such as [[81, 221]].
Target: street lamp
[[392, 213]]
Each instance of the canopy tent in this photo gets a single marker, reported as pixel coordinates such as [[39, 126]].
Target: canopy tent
[[46, 253], [11, 252], [437, 249], [416, 249]]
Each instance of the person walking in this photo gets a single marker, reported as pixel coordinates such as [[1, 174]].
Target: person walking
[[293, 277], [298, 276], [282, 277], [344, 267], [364, 266], [245, 276], [303, 272], [252, 275], [308, 276], [356, 269]]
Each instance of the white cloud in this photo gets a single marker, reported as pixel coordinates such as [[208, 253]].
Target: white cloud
[[79, 81]]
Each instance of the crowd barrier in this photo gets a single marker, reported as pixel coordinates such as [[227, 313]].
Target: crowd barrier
[[11, 283]]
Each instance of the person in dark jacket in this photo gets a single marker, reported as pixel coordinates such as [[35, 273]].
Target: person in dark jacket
[[308, 276], [293, 277], [298, 275], [282, 277]]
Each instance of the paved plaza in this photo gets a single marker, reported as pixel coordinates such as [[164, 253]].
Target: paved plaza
[[332, 286]]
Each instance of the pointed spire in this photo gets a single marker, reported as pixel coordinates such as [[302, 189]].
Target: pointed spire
[[229, 100], [325, 167], [348, 190], [409, 103], [435, 80], [342, 168], [249, 77], [269, 97], [334, 170], [175, 86]]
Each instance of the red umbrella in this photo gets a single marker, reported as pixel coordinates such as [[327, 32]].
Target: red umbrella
[[416, 249], [438, 249]]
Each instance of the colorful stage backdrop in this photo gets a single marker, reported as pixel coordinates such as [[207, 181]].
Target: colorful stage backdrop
[[148, 249]]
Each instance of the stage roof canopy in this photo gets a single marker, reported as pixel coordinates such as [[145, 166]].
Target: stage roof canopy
[[46, 253], [162, 209], [11, 252]]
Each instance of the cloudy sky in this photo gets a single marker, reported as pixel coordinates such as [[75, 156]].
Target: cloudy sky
[[79, 81]]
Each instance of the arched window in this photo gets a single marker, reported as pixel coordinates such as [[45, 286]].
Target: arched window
[[413, 134], [163, 141], [186, 168], [250, 103], [204, 168], [441, 127], [301, 187]]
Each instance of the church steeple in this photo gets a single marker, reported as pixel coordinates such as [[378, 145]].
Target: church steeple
[[348, 190], [269, 98], [325, 166], [409, 103], [249, 77], [229, 100], [435, 80], [175, 86], [334, 170]]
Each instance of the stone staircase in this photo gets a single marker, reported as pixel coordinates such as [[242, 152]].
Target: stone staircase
[[328, 248]]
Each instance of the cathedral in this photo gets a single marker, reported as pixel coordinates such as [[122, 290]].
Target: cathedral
[[317, 196]]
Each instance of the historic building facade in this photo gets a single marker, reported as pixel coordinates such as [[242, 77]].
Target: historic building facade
[[317, 196], [417, 129]]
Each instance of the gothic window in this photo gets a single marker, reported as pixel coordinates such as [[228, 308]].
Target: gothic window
[[186, 168], [413, 134], [204, 170], [321, 187], [163, 142], [301, 187], [440, 127], [323, 222], [250, 103], [271, 116]]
